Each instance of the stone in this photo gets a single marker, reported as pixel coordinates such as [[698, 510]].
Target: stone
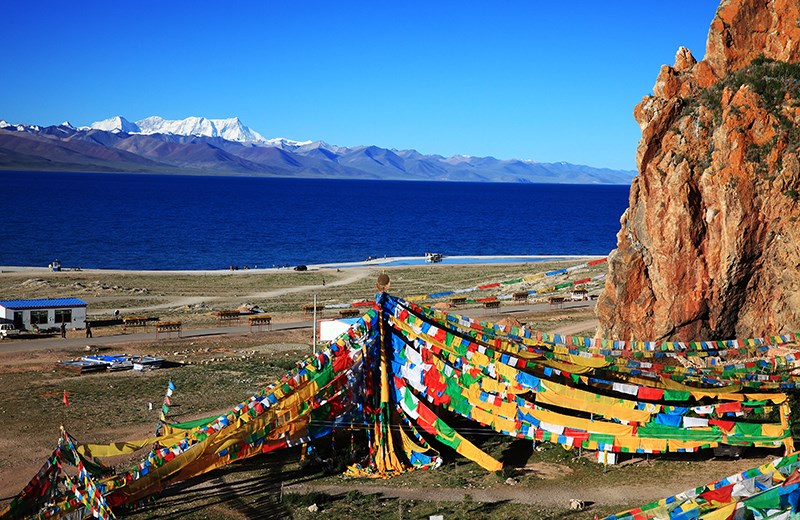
[[709, 247], [576, 505], [684, 60]]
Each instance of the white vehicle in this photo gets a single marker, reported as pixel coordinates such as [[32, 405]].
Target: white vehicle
[[7, 329]]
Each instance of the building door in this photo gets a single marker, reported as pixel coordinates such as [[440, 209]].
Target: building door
[[18, 324]]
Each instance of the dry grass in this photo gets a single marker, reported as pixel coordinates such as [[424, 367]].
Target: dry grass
[[181, 295]]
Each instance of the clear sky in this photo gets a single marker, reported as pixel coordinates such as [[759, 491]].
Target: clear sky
[[530, 79]]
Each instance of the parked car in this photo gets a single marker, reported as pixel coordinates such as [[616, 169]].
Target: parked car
[[7, 330]]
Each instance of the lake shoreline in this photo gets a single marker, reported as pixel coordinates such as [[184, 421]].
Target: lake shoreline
[[385, 262]]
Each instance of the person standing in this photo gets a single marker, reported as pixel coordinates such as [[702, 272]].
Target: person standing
[[63, 329], [88, 329]]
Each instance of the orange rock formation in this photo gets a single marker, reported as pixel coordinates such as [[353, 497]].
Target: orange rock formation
[[709, 247]]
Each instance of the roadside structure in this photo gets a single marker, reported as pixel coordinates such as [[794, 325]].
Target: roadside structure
[[45, 313]]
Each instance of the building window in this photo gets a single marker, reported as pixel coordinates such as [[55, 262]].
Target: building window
[[38, 317], [63, 315]]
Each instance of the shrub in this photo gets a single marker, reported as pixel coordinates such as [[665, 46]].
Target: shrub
[[771, 80]]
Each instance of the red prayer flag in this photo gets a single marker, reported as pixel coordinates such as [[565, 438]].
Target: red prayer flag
[[720, 495], [426, 418], [725, 425], [650, 394], [734, 406], [66, 401], [794, 478]]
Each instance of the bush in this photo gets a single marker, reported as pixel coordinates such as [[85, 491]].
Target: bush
[[771, 80]]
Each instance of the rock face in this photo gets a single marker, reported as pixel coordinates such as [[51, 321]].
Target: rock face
[[709, 247]]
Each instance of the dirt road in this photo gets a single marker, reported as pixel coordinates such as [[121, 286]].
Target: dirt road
[[351, 276]]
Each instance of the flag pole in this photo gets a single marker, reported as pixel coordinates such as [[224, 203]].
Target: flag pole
[[65, 400], [314, 327]]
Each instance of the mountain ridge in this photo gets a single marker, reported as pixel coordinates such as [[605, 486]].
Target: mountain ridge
[[708, 247], [203, 146]]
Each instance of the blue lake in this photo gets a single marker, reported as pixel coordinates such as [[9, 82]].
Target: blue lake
[[124, 221]]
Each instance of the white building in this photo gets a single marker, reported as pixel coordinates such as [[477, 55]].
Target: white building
[[331, 329], [579, 294], [45, 313]]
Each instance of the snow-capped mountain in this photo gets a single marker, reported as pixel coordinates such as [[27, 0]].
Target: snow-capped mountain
[[227, 147], [115, 124], [230, 129], [286, 144]]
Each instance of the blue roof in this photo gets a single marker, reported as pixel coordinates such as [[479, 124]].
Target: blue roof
[[43, 303]]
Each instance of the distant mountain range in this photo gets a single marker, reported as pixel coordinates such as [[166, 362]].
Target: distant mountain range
[[201, 146]]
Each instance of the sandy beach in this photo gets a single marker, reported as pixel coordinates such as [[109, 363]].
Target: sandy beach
[[396, 261]]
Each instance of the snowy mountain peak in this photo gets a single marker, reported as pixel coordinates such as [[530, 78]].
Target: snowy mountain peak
[[115, 124], [230, 129], [307, 146], [26, 128], [67, 124], [4, 123], [286, 144]]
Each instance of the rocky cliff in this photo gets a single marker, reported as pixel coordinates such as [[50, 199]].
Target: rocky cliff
[[709, 247]]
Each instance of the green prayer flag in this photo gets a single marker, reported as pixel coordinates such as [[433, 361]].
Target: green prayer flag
[[408, 399], [770, 499], [748, 429], [601, 437], [676, 395], [446, 435], [190, 425], [324, 376], [785, 461]]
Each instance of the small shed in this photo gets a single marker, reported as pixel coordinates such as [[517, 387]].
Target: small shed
[[45, 313], [331, 329], [579, 294]]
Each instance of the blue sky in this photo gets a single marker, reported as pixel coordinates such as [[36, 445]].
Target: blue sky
[[547, 81]]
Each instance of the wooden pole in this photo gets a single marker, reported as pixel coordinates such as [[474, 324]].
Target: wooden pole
[[314, 327]]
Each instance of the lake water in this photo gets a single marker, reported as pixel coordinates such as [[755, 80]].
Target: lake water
[[126, 221]]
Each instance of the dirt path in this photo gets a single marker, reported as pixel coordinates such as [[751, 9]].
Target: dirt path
[[574, 328], [611, 490], [351, 276], [551, 495]]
